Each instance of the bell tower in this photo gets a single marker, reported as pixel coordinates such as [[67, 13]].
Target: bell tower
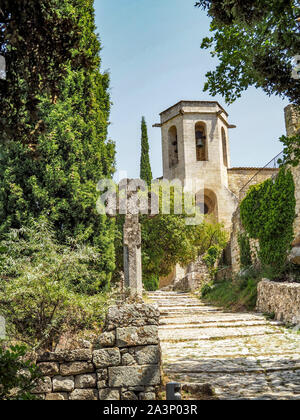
[[195, 146]]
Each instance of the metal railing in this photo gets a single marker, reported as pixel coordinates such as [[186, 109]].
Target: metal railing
[[273, 164]]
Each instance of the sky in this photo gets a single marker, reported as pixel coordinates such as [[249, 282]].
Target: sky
[[151, 48]]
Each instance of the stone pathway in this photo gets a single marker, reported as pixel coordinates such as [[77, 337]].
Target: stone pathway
[[242, 355]]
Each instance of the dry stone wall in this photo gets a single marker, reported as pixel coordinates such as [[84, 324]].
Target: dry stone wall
[[125, 365], [281, 299]]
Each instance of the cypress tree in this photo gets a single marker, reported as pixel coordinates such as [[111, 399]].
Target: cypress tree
[[145, 167], [56, 176]]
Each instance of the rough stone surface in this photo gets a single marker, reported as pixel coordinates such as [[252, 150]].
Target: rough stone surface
[[136, 315], [137, 336], [147, 396], [148, 355], [43, 386], [76, 368], [49, 368], [109, 395], [129, 395], [63, 383], [241, 356], [84, 395], [282, 299], [77, 355], [106, 357], [61, 396], [107, 339], [86, 381], [127, 372], [295, 255], [125, 376]]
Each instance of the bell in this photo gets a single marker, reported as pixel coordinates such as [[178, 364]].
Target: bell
[[200, 142]]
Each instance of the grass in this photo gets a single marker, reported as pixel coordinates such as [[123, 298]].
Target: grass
[[238, 294]]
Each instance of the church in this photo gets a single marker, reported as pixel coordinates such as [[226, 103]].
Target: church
[[195, 145]]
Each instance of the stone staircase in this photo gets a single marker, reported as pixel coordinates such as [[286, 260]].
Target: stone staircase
[[242, 355]]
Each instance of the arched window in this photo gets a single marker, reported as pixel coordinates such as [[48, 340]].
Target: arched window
[[201, 142], [207, 202], [173, 147], [224, 146]]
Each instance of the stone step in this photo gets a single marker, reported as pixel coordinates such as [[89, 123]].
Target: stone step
[[282, 344], [213, 333], [208, 319], [242, 355], [232, 366], [223, 324], [279, 385]]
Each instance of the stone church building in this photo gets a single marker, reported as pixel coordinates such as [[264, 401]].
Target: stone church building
[[195, 145]]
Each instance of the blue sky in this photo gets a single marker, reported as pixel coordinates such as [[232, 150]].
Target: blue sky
[[151, 49]]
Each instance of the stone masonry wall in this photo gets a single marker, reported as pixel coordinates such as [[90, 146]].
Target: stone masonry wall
[[238, 177], [125, 365], [282, 299], [292, 122]]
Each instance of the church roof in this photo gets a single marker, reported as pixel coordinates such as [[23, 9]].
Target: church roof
[[187, 103]]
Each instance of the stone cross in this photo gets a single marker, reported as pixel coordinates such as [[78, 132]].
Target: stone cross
[[131, 201]]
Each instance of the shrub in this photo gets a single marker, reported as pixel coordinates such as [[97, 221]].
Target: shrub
[[211, 258], [238, 293], [40, 285], [151, 282], [17, 377]]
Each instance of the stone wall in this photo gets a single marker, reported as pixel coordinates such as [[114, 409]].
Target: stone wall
[[282, 299], [292, 122], [238, 178], [125, 364]]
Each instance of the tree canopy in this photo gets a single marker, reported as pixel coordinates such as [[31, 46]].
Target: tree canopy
[[39, 40], [54, 173], [255, 43]]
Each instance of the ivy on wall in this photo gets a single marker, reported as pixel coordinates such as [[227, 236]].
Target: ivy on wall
[[268, 213], [245, 250]]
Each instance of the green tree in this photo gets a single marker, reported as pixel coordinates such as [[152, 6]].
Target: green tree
[[39, 40], [255, 42], [55, 176], [145, 167]]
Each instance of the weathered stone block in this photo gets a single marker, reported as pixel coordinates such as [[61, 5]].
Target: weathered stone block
[[129, 396], [43, 386], [134, 336], [149, 355], [101, 384], [109, 395], [126, 376], [85, 381], [106, 357], [76, 368], [63, 383], [84, 395], [102, 374], [77, 355], [57, 396], [49, 368], [50, 356], [128, 360], [147, 396], [107, 339], [131, 315]]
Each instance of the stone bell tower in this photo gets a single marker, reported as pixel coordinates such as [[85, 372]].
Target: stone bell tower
[[195, 146]]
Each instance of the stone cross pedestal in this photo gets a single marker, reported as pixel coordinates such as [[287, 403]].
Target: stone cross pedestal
[[132, 242]]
